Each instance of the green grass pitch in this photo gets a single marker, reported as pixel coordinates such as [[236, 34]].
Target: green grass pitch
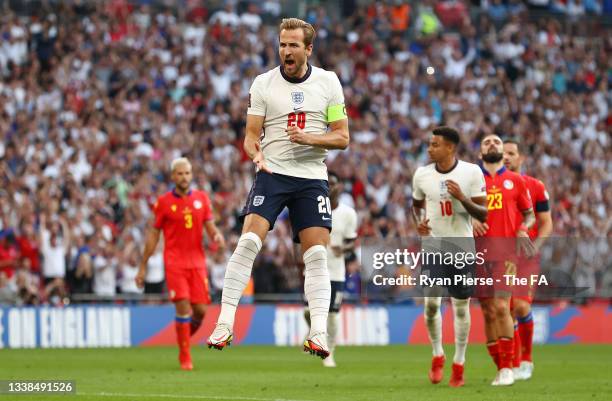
[[263, 373]]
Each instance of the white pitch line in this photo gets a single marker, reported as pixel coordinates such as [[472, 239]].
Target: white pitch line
[[188, 397]]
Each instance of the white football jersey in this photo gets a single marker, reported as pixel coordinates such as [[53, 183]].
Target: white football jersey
[[447, 216], [304, 102], [344, 227]]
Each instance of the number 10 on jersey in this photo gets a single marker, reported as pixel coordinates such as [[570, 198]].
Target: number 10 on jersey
[[446, 207]]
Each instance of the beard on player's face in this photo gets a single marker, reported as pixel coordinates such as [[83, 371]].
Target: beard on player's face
[[292, 64], [492, 156], [183, 185]]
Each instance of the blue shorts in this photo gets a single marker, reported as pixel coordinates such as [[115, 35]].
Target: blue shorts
[[307, 201]]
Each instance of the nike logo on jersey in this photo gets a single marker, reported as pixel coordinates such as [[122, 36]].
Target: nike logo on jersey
[[326, 218], [297, 108]]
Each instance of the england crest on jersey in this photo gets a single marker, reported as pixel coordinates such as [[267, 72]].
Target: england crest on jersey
[[297, 97]]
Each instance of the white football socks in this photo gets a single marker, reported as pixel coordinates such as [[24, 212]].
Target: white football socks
[[237, 275], [433, 321], [317, 287], [332, 330], [461, 315]]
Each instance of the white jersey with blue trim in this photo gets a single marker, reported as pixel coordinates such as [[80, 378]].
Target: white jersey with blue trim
[[303, 102]]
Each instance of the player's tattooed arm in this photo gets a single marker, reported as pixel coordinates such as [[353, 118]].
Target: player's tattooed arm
[[528, 219], [252, 146], [476, 206], [524, 244], [151, 241], [418, 217], [336, 138]]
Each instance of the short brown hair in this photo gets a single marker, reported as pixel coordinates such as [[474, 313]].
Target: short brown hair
[[296, 23], [519, 145]]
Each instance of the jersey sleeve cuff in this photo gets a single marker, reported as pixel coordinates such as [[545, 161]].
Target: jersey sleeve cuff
[[256, 113]]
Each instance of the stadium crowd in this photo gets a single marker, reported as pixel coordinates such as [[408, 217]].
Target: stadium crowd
[[96, 99]]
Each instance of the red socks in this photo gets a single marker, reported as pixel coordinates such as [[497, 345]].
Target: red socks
[[506, 352], [516, 360], [493, 349], [525, 328], [183, 332]]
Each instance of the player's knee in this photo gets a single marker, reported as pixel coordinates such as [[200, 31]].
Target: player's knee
[[256, 225], [501, 309], [250, 240], [488, 312], [461, 308], [198, 311], [521, 308], [431, 309]]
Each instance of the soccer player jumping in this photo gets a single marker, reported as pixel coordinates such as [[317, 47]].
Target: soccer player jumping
[[181, 215], [447, 195], [514, 157], [296, 112]]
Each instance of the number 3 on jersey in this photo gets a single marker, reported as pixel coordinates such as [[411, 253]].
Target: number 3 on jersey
[[298, 119], [188, 221]]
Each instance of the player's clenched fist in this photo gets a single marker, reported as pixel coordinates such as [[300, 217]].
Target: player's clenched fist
[[296, 135]]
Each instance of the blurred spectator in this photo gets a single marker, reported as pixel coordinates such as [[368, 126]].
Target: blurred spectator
[[105, 267], [8, 292], [154, 280], [54, 246]]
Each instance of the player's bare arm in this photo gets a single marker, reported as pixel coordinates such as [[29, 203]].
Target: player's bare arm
[[252, 147], [337, 137], [524, 244], [67, 239], [418, 217], [151, 241], [545, 227], [475, 206], [213, 232], [349, 244]]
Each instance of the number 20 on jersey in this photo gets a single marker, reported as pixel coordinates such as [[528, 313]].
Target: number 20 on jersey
[[298, 119]]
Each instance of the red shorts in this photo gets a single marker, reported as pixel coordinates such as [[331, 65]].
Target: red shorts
[[526, 268], [190, 284], [497, 272]]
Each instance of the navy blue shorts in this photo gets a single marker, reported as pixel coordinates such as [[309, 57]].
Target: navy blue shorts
[[307, 201]]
